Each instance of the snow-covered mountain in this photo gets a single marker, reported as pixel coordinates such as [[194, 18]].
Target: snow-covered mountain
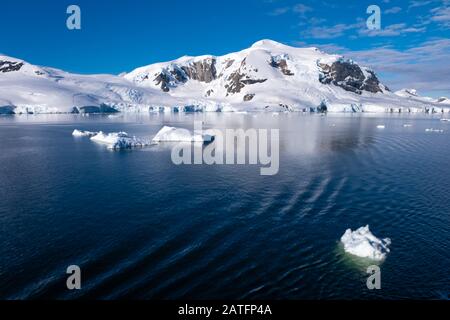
[[266, 76]]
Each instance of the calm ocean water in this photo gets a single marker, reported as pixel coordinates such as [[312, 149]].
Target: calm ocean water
[[140, 227]]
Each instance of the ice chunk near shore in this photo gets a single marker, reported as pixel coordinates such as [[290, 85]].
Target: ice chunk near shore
[[80, 133], [434, 130], [172, 134], [119, 140], [363, 243]]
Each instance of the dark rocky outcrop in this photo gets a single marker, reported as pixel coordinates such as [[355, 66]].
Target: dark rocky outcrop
[[163, 80], [249, 96], [234, 84], [238, 80], [282, 65], [9, 66], [350, 77], [179, 75], [204, 70]]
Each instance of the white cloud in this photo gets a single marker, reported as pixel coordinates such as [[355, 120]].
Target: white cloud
[[279, 11], [441, 15], [418, 3], [393, 10], [391, 30], [301, 8]]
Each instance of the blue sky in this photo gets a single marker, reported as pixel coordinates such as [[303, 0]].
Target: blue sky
[[411, 50]]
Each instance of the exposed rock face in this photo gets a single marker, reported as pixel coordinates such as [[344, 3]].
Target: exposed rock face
[[282, 65], [249, 96], [9, 66], [350, 77], [239, 79], [204, 70], [179, 75], [163, 80]]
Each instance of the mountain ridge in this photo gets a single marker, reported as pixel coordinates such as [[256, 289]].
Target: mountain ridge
[[266, 76]]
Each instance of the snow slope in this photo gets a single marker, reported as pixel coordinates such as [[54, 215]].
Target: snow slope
[[267, 76]]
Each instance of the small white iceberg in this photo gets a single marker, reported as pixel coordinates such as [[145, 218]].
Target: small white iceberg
[[119, 140], [434, 130], [381, 126], [172, 134], [363, 243], [445, 120], [114, 116], [407, 125], [80, 133]]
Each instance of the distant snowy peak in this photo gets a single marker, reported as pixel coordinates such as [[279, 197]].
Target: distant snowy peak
[[265, 65], [412, 93], [9, 65], [443, 100], [407, 93]]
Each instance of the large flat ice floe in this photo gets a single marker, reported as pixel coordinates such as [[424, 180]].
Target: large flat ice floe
[[81, 133], [120, 140], [363, 243], [172, 134]]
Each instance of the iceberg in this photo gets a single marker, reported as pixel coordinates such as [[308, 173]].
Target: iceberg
[[80, 133], [381, 126], [434, 130], [172, 134], [119, 140], [363, 243]]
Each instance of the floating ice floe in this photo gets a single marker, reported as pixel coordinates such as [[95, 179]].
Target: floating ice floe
[[363, 243], [114, 116], [81, 133], [434, 130], [407, 125], [172, 134], [120, 140], [381, 126], [445, 120]]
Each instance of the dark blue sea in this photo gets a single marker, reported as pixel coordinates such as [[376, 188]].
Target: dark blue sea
[[141, 227]]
